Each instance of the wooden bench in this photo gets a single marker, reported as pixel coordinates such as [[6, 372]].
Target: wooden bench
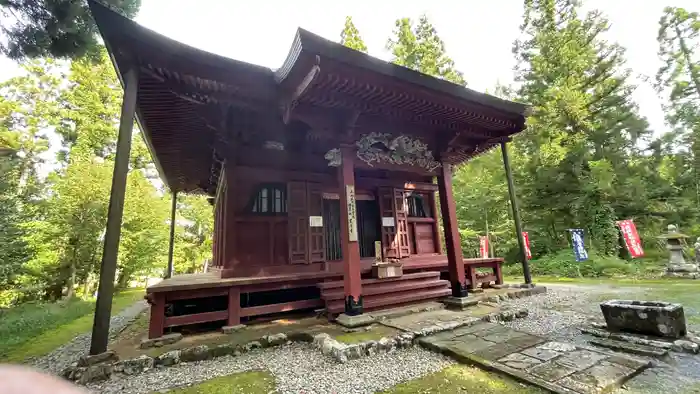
[[475, 278]]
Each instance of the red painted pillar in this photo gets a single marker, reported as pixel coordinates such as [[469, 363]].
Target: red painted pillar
[[453, 246], [348, 233], [156, 325], [228, 234]]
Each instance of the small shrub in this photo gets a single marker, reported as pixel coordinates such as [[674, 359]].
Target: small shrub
[[564, 264]]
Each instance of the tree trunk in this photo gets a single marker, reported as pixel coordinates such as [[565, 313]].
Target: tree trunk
[[70, 291]]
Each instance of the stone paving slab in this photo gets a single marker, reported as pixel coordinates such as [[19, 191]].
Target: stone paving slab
[[427, 323], [555, 366]]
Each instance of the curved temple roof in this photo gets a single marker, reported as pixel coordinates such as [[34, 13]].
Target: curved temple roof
[[182, 133]]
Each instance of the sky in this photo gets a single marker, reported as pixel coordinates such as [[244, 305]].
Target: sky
[[478, 34]]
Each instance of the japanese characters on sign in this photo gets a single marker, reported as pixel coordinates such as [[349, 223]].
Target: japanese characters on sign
[[352, 212], [632, 241]]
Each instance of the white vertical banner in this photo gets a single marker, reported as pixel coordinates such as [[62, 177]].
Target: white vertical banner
[[352, 212]]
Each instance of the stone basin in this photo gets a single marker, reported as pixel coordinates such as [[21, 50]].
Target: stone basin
[[658, 318]]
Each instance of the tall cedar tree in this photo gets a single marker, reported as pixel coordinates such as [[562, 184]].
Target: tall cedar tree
[[350, 36], [679, 79], [420, 48], [583, 127], [53, 28]]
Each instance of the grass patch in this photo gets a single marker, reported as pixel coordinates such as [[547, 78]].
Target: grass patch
[[253, 382], [376, 333], [35, 329], [463, 379], [563, 264]]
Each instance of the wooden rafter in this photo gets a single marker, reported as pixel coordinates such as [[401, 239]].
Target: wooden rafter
[[288, 103]]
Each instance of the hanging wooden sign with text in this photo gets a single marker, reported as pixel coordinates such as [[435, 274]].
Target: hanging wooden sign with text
[[352, 212]]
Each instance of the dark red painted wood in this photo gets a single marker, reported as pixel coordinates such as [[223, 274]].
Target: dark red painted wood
[[195, 293], [234, 306], [156, 323], [368, 282], [281, 307], [350, 249], [195, 318], [297, 213], [376, 302], [389, 287], [455, 260], [436, 224], [401, 215], [317, 246], [390, 243]]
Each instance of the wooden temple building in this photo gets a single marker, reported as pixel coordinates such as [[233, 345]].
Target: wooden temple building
[[308, 166]]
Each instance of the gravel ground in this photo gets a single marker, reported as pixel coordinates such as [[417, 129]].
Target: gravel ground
[[298, 368], [59, 359], [563, 307], [559, 313]]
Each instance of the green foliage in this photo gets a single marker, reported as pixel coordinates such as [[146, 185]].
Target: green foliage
[[563, 264], [462, 379], [34, 329], [419, 48], [350, 36], [587, 158], [251, 382], [51, 245], [56, 28]]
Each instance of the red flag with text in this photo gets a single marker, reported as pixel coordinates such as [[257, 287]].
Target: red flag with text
[[484, 247], [632, 241], [526, 238]]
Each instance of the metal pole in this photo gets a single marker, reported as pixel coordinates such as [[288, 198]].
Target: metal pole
[[108, 268], [171, 247], [516, 214]]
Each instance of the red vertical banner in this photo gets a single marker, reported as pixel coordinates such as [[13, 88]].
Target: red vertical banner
[[484, 247], [632, 241], [526, 238]]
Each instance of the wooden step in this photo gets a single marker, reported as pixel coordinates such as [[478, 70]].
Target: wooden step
[[386, 288], [367, 282], [391, 299]]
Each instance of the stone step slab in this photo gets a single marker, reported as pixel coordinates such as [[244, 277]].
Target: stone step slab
[[627, 347]]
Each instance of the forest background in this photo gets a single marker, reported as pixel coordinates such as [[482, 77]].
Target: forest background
[[587, 159]]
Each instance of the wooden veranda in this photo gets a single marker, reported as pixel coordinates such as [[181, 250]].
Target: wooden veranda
[[307, 166]]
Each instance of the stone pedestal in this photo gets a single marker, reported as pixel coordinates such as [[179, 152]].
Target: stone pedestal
[[677, 266], [460, 303], [354, 321]]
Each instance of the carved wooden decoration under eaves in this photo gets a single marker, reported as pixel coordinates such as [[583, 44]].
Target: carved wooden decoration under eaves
[[381, 147]]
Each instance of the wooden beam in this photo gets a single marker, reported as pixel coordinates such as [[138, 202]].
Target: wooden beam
[[453, 245], [288, 103], [171, 245], [108, 267], [195, 318], [201, 96], [516, 214], [348, 233]]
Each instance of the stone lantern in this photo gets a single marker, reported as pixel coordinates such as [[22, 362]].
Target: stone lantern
[[677, 266]]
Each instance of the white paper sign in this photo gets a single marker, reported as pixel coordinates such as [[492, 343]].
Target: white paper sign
[[316, 221], [388, 222], [352, 212]]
